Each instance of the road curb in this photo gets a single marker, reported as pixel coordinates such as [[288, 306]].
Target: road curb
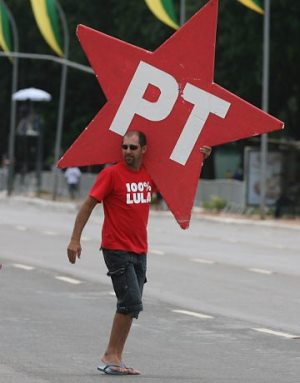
[[42, 203], [248, 221], [197, 213]]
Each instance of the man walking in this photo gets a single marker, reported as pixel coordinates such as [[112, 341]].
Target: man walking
[[125, 190]]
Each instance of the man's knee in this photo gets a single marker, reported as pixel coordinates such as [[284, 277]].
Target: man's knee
[[131, 304], [133, 314], [126, 282]]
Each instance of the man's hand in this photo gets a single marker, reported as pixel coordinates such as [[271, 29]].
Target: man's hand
[[74, 250], [205, 150]]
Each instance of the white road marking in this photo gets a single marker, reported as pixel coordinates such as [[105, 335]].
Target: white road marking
[[261, 271], [49, 232], [205, 261], [21, 228], [157, 252], [68, 280], [23, 267], [112, 293], [231, 240], [276, 333], [85, 239], [193, 314]]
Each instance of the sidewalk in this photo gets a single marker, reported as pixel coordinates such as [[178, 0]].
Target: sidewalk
[[197, 213], [289, 223]]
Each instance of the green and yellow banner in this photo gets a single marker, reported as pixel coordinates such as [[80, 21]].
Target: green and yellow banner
[[164, 11], [255, 5], [5, 33], [45, 13]]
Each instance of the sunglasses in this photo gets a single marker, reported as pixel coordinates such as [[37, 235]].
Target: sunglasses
[[131, 147]]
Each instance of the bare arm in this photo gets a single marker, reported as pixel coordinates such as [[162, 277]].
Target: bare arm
[[74, 248]]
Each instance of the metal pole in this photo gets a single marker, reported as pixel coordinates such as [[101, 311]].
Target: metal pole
[[59, 60], [182, 12], [12, 129], [57, 150], [265, 106], [39, 154]]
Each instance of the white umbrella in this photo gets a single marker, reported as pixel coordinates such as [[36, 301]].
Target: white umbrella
[[32, 94]]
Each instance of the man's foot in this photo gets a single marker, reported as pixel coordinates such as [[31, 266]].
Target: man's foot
[[112, 369], [131, 371], [115, 369]]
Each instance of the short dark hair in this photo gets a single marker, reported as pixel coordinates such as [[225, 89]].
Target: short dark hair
[[142, 137]]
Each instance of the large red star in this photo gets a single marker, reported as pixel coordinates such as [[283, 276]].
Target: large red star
[[170, 95]]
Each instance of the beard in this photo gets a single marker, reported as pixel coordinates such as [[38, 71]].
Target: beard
[[130, 160]]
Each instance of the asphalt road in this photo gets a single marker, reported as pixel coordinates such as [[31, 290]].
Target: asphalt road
[[222, 303]]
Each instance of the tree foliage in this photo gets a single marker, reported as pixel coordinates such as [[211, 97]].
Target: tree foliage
[[238, 64]]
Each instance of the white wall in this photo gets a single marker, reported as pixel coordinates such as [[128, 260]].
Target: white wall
[[232, 191]]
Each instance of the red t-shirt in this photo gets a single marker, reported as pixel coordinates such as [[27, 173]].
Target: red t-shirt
[[126, 196]]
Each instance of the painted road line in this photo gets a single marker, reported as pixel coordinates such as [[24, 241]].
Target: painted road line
[[23, 267], [276, 333], [85, 239], [157, 252], [21, 228], [231, 240], [193, 314], [49, 232], [68, 280], [261, 271], [204, 261]]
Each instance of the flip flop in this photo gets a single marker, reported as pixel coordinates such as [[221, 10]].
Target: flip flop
[[112, 369], [131, 371]]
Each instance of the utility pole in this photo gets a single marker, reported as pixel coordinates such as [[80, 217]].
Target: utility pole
[[265, 107], [12, 128], [182, 12], [62, 97]]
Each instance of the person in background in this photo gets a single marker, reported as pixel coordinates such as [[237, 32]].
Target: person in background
[[72, 176]]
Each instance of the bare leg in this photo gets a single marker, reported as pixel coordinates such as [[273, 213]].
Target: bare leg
[[118, 336]]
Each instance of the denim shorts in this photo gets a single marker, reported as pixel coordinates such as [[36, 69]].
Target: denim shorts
[[128, 273]]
